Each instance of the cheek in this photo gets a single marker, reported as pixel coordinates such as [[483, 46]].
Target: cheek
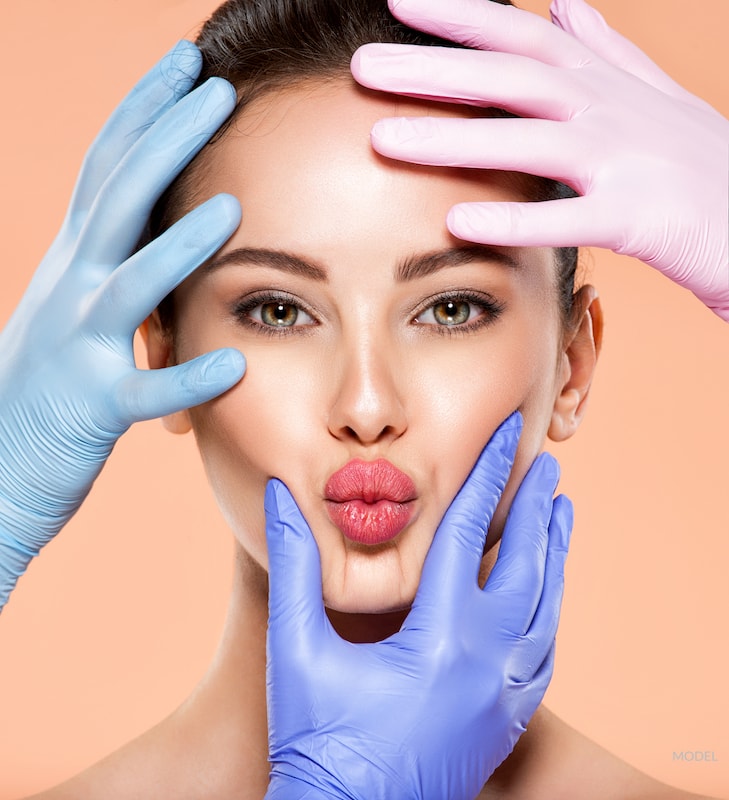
[[266, 426], [477, 389], [536, 410], [462, 398], [455, 393]]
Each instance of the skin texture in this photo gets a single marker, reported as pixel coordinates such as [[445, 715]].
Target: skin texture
[[367, 381], [367, 373]]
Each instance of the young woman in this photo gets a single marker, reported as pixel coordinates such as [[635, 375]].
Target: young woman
[[388, 343]]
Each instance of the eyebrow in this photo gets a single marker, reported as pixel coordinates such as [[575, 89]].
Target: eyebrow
[[427, 263], [278, 259], [410, 269]]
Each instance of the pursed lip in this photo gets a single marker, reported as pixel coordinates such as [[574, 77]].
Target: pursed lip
[[370, 501], [370, 481]]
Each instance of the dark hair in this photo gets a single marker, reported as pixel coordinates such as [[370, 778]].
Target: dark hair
[[267, 45]]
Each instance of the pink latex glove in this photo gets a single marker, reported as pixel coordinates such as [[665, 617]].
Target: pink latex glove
[[649, 159]]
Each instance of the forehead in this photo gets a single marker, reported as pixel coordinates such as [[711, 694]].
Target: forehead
[[301, 163]]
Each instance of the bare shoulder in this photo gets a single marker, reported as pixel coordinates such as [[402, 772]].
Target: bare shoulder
[[195, 753], [554, 761], [119, 776]]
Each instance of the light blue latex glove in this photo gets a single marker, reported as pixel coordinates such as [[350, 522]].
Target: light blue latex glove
[[69, 385], [431, 711]]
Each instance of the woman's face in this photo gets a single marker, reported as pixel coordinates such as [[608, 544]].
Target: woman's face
[[369, 331]]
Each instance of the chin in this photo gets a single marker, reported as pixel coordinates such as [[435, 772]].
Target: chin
[[359, 599], [373, 579]]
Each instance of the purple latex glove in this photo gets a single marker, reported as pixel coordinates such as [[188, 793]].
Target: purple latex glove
[[649, 159], [431, 711]]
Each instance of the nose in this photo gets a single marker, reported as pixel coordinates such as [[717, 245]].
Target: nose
[[367, 404]]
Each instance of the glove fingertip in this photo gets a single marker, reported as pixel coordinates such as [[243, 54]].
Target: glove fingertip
[[547, 468], [394, 5], [222, 369], [286, 528], [205, 377], [274, 489], [278, 533], [280, 504], [199, 381], [181, 66], [514, 422], [563, 518], [505, 440], [559, 13], [226, 205], [468, 221], [224, 90], [356, 63], [577, 17]]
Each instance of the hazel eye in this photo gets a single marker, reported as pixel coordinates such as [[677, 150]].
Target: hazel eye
[[280, 315], [450, 313]]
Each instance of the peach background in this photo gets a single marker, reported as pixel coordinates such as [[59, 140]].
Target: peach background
[[114, 624]]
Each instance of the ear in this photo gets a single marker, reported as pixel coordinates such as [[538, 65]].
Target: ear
[[577, 366], [160, 354]]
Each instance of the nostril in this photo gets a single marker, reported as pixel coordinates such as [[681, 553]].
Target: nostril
[[365, 435], [367, 404]]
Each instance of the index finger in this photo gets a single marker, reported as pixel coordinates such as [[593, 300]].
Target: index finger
[[451, 567], [517, 579], [493, 26], [168, 81]]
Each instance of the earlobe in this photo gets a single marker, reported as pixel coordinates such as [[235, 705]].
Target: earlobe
[[578, 364], [159, 356]]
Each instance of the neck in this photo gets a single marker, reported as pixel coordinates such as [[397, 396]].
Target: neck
[[229, 704], [223, 722]]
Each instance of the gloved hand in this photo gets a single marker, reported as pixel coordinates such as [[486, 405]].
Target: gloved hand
[[649, 159], [69, 383], [431, 711]]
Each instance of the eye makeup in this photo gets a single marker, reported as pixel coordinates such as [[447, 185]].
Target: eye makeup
[[457, 311]]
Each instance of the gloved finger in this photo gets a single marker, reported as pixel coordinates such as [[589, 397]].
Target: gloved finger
[[521, 85], [122, 207], [569, 222], [168, 81], [135, 289], [533, 146], [588, 25], [544, 625], [492, 26], [538, 677], [517, 578], [296, 610], [148, 394], [451, 568]]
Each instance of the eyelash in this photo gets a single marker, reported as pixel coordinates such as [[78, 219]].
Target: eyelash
[[244, 307], [490, 308]]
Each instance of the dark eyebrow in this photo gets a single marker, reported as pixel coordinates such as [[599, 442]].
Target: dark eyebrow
[[411, 268], [278, 259], [423, 265]]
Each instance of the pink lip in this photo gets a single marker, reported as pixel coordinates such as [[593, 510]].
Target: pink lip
[[370, 501]]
